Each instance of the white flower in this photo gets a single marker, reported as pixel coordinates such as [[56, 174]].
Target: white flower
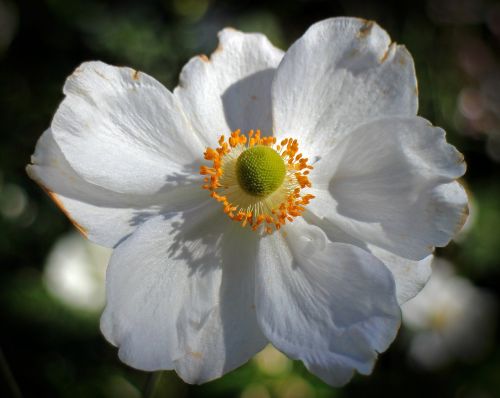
[[318, 260], [450, 318], [75, 270]]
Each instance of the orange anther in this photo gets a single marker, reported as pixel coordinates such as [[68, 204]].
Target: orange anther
[[268, 216]]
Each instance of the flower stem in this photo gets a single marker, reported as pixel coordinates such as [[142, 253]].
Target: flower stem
[[151, 383], [9, 377]]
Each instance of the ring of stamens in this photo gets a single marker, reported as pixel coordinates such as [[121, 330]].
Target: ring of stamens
[[267, 213]]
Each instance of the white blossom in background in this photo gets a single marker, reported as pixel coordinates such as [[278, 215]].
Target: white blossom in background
[[293, 198], [13, 201], [75, 271], [450, 319], [272, 362]]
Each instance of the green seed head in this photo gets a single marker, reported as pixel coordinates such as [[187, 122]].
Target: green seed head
[[260, 170]]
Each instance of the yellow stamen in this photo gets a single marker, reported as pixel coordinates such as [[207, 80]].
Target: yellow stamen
[[267, 212]]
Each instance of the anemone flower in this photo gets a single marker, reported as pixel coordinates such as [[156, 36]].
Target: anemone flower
[[292, 198]]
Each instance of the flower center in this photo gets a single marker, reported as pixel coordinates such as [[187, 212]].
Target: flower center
[[260, 170], [260, 184]]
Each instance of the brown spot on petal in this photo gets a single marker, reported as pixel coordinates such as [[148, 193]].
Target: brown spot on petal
[[196, 354], [59, 204], [365, 29], [463, 218], [253, 97], [385, 55], [402, 61], [101, 74], [78, 71], [416, 89], [135, 75], [204, 58]]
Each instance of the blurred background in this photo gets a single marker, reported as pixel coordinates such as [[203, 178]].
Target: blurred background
[[51, 279]]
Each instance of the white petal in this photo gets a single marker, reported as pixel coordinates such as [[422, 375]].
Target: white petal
[[180, 295], [124, 131], [103, 216], [232, 89], [341, 73], [391, 183], [410, 276], [331, 305]]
